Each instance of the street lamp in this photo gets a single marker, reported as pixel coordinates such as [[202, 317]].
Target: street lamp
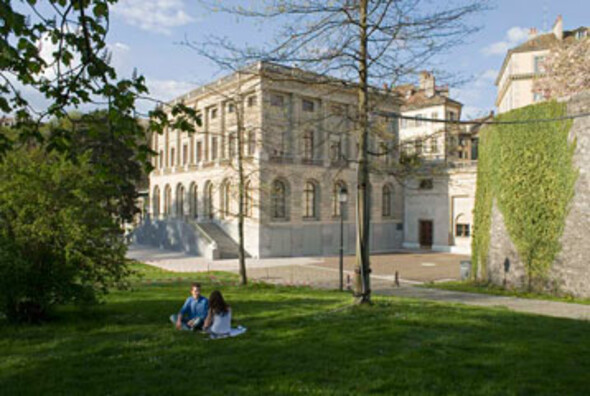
[[342, 198]]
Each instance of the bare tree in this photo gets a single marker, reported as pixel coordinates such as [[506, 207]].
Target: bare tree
[[364, 44]]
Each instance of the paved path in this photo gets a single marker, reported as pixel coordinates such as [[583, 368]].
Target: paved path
[[539, 307], [414, 268]]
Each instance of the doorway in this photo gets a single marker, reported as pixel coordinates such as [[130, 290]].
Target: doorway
[[425, 234]]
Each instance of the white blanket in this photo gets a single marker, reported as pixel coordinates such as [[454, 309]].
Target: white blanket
[[236, 331]]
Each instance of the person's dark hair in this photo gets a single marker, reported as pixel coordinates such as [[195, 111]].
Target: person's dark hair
[[196, 284], [217, 303]]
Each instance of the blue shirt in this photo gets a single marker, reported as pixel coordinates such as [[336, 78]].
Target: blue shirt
[[195, 308]]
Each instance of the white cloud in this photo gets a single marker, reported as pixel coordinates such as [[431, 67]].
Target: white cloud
[[164, 91], [153, 15], [513, 37]]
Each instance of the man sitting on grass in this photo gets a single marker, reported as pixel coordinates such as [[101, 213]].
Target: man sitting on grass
[[194, 311]]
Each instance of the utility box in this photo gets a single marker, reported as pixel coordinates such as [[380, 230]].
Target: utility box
[[465, 269]]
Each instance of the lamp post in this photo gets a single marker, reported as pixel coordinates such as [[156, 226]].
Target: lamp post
[[342, 198]]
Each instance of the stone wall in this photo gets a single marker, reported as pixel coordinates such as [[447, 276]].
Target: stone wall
[[571, 269]]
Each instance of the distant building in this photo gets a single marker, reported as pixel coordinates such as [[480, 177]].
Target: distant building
[[524, 63], [297, 141], [7, 122], [439, 200]]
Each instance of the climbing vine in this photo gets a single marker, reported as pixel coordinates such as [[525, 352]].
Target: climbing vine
[[527, 169]]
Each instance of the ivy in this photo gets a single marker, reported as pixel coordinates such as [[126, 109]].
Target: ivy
[[527, 169]]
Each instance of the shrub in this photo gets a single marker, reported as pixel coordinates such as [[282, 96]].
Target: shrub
[[58, 243]]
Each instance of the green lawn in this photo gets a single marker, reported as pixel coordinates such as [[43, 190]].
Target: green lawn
[[300, 341], [489, 288]]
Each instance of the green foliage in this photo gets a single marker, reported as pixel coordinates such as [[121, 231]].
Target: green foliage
[[58, 244], [527, 170]]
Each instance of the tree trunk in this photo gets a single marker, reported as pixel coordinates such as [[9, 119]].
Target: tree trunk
[[239, 106], [362, 285]]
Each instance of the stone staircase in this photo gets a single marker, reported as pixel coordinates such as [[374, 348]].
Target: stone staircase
[[227, 247]]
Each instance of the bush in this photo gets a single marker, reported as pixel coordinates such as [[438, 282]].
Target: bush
[[58, 242]]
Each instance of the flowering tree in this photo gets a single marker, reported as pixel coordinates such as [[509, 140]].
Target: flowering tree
[[567, 70]]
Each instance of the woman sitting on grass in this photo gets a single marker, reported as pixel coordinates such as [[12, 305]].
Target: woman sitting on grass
[[218, 321]]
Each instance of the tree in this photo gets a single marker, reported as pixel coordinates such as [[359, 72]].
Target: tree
[[566, 70], [57, 242], [364, 44]]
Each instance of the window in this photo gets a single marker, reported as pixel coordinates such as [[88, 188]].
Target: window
[[279, 200], [226, 199], [538, 64], [434, 145], [180, 201], [335, 152], [251, 143], [308, 145], [434, 115], [161, 159], [419, 122], [184, 154], [167, 200], [309, 200], [418, 147], [194, 201], [232, 145], [537, 97], [209, 200], [213, 114], [248, 204], [307, 105], [386, 201], [156, 202], [230, 108], [251, 101], [172, 154], [462, 230], [199, 151], [213, 149], [426, 184], [277, 100], [451, 115]]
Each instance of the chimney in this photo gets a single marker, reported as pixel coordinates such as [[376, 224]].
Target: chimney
[[533, 32], [558, 28], [427, 83]]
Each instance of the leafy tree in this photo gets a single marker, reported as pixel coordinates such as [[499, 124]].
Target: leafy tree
[[58, 244], [566, 70]]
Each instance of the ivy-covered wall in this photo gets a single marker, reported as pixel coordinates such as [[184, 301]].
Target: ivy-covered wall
[[527, 171]]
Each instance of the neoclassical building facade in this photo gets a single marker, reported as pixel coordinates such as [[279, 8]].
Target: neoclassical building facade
[[299, 146]]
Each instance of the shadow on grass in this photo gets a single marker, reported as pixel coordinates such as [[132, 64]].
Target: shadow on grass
[[299, 341]]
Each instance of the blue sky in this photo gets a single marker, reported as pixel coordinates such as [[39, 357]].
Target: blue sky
[[145, 34]]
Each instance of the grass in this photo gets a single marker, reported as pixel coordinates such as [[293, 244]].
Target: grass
[[300, 341], [489, 288]]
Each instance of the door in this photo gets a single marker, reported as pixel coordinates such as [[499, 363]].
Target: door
[[426, 233]]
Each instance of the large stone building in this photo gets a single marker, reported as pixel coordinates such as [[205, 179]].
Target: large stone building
[[300, 148], [524, 63], [439, 199]]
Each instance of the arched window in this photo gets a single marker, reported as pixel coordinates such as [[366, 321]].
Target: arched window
[[279, 200], [180, 201], [248, 204], [336, 206], [310, 200], [167, 200], [156, 202], [225, 199], [386, 201], [209, 200], [194, 201]]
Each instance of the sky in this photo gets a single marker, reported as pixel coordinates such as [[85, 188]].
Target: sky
[[145, 34]]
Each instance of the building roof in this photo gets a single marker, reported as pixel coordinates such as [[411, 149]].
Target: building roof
[[415, 98], [538, 43]]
